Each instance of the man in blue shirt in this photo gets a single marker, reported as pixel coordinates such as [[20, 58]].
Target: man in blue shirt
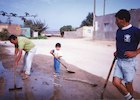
[[127, 41]]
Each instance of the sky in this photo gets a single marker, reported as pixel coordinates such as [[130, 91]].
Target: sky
[[57, 13]]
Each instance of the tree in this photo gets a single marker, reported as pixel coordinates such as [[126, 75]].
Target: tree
[[88, 21], [36, 26], [4, 34], [65, 28]]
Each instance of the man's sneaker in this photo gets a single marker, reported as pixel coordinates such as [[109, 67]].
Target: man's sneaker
[[129, 97]]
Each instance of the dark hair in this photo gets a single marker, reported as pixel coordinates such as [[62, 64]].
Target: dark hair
[[12, 37], [58, 45], [123, 14]]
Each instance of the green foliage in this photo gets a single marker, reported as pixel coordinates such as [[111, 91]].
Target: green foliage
[[4, 34], [66, 28], [39, 37], [88, 21], [36, 26]]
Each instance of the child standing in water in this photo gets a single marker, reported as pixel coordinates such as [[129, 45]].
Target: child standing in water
[[57, 55]]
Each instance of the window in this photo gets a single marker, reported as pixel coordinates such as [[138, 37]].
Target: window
[[89, 31], [106, 27]]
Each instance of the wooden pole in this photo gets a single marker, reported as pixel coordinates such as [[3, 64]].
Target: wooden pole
[[104, 7], [94, 15]]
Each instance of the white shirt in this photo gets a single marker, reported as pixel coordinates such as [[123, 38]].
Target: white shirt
[[57, 53]]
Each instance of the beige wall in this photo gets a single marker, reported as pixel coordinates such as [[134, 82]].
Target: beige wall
[[73, 34], [87, 31], [83, 32]]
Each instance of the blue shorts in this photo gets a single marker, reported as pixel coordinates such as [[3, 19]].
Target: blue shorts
[[125, 69]]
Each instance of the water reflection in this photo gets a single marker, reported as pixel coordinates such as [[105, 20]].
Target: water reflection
[[56, 90]]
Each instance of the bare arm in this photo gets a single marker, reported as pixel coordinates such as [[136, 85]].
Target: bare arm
[[138, 51], [18, 57], [59, 57], [52, 52], [132, 53], [16, 51]]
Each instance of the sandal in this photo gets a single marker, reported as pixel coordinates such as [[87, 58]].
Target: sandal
[[25, 77]]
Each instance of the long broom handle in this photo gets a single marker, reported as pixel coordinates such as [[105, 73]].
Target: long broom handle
[[59, 61], [109, 72], [14, 76]]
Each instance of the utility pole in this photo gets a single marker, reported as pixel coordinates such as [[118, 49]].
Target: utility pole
[[94, 15], [104, 7]]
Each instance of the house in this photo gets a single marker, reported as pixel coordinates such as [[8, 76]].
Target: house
[[82, 32], [12, 28], [26, 32], [106, 27]]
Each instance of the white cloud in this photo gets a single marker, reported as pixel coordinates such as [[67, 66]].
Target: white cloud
[[45, 1]]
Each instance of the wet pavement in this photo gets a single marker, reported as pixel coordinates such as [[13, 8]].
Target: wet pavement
[[43, 86]]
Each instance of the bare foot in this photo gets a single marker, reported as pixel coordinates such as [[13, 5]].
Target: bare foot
[[25, 76]]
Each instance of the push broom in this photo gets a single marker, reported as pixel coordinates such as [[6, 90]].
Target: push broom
[[63, 65], [15, 87]]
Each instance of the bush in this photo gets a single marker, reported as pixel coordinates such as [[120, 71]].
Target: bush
[[4, 34], [39, 37]]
